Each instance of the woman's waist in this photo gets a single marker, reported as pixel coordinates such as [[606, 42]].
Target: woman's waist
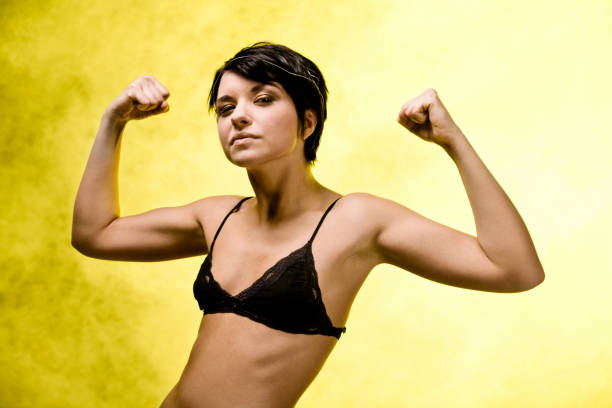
[[235, 359], [236, 342]]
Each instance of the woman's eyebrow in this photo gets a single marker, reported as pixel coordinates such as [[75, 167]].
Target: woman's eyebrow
[[254, 89], [259, 87]]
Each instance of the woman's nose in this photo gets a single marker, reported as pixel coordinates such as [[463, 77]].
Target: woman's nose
[[240, 117]]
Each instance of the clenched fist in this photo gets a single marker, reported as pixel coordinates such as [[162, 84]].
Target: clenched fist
[[144, 97], [426, 117]]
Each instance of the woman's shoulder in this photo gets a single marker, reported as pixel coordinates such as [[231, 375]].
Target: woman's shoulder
[[361, 216], [212, 208], [216, 201], [369, 209], [358, 202], [362, 208]]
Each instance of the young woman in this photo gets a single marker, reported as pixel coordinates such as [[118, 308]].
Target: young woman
[[289, 261]]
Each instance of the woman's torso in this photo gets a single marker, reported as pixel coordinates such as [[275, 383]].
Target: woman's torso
[[236, 361]]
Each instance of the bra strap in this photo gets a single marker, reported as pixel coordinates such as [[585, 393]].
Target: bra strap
[[321, 221], [233, 210]]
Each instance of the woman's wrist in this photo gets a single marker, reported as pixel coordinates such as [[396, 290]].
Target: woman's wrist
[[113, 119], [454, 144]]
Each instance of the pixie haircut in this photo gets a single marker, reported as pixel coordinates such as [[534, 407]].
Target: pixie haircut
[[266, 62]]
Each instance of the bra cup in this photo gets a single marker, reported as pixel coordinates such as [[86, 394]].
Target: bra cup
[[289, 300], [206, 290]]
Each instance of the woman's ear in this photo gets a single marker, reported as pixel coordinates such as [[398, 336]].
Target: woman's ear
[[310, 123]]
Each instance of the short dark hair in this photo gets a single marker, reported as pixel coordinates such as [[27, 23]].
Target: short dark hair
[[267, 62]]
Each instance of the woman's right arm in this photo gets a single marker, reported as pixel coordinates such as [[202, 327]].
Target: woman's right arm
[[97, 229]]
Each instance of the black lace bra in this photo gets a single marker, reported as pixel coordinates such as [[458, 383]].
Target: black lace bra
[[286, 297]]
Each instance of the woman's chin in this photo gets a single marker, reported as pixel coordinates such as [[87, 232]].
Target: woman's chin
[[245, 159], [251, 158]]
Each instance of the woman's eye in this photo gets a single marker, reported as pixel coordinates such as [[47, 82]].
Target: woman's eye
[[224, 109], [264, 99]]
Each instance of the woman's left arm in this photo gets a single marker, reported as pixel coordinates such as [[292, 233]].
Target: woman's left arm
[[502, 258]]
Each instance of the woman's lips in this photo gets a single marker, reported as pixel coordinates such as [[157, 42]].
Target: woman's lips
[[243, 140]]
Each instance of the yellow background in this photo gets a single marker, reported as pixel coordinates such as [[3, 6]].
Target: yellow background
[[527, 81]]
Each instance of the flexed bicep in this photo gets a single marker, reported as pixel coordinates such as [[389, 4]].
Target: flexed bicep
[[434, 251]]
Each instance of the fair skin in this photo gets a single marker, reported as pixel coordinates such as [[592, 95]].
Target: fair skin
[[236, 361]]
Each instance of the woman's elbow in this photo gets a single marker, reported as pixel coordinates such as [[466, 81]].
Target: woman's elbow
[[526, 281]]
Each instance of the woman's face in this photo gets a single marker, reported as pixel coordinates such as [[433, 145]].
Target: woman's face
[[256, 122]]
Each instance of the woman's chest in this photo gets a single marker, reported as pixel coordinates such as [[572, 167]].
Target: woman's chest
[[332, 264]]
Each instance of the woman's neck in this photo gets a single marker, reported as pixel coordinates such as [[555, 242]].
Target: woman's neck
[[284, 193]]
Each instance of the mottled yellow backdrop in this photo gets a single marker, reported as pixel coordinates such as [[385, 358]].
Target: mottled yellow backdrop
[[527, 81]]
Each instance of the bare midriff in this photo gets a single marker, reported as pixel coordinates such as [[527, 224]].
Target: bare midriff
[[237, 362]]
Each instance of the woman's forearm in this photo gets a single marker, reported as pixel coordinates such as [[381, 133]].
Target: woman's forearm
[[501, 232], [97, 200]]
